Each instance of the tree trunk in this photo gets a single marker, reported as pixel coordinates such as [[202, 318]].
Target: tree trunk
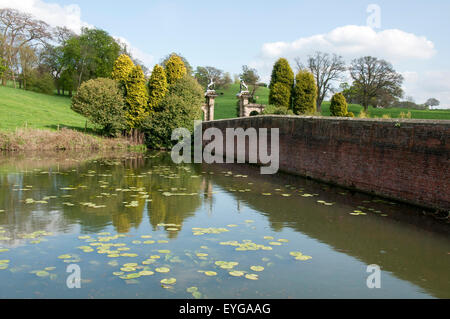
[[319, 106]]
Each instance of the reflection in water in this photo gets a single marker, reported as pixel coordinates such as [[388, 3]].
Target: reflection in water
[[137, 195]]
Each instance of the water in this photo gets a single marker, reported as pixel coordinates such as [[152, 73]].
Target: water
[[119, 199]]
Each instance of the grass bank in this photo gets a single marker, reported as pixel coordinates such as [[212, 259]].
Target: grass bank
[[225, 107], [64, 139], [20, 109]]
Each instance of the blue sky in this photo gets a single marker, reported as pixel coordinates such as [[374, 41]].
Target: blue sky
[[228, 34]]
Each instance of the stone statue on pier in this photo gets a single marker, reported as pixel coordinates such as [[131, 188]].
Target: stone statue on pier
[[210, 86], [244, 87]]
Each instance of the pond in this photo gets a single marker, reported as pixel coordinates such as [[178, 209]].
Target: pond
[[139, 226]]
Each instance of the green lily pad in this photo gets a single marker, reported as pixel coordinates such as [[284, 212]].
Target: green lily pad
[[162, 269], [252, 276], [210, 273], [192, 289], [168, 281], [42, 273], [236, 273], [257, 268]]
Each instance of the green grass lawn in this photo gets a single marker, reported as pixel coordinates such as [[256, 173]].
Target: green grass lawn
[[393, 112], [225, 104], [20, 108], [226, 107]]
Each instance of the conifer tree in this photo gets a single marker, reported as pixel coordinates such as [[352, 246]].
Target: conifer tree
[[136, 98], [122, 69], [304, 94], [157, 86], [339, 106], [282, 74], [175, 69]]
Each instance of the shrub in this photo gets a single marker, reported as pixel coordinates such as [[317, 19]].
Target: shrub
[[157, 86], [122, 69], [338, 106], [41, 83], [282, 75], [101, 101], [350, 114], [277, 110], [136, 97], [280, 95], [179, 108], [175, 69], [304, 94]]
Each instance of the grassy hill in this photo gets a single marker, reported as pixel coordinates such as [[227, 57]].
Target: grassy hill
[[20, 108], [225, 104], [226, 107]]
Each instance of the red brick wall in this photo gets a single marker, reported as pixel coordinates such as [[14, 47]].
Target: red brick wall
[[408, 160]]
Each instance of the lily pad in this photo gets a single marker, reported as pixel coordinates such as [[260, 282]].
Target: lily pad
[[42, 273], [257, 268], [168, 281], [162, 269], [252, 276]]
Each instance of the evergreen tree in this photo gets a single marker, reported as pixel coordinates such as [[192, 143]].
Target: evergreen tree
[[136, 98], [281, 75], [339, 106], [304, 94], [157, 86], [122, 69], [175, 69]]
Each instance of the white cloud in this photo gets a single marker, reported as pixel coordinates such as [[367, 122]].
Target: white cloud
[[351, 42], [425, 85], [65, 15], [52, 13]]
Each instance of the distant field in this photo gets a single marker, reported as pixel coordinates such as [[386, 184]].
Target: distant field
[[393, 112], [226, 107], [225, 104], [20, 108]]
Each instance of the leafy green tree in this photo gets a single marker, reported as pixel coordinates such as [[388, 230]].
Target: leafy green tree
[[250, 76], [175, 69], [373, 78], [136, 97], [90, 55], [338, 106], [282, 74], [157, 86], [281, 95], [101, 101], [189, 69], [122, 69], [304, 94], [179, 108], [3, 67]]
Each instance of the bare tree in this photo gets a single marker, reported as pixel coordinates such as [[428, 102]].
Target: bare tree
[[326, 69], [18, 29], [373, 77]]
